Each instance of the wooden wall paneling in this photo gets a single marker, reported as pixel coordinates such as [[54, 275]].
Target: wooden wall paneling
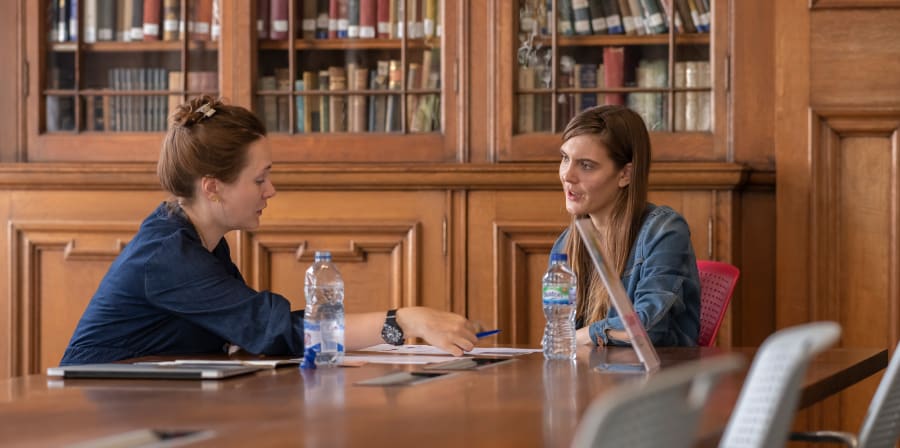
[[11, 84], [8, 279], [57, 265], [378, 261], [456, 252], [855, 210], [861, 50], [753, 306], [388, 246], [752, 69], [510, 236]]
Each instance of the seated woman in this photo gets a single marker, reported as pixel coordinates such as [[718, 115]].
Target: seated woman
[[604, 171], [174, 290]]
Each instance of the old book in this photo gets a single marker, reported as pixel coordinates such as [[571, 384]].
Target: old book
[[564, 25], [680, 97], [308, 25], [358, 102], [614, 73], [379, 102], [585, 78], [311, 102], [581, 17], [152, 18], [278, 19], [282, 103], [322, 19], [368, 18], [430, 18], [598, 16], [392, 118], [324, 103], [413, 81], [123, 21], [200, 25], [171, 19], [262, 18], [337, 79], [614, 24], [299, 108], [106, 20], [383, 16], [267, 103]]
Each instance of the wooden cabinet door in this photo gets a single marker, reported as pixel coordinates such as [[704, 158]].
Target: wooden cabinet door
[[510, 237], [388, 245], [57, 258]]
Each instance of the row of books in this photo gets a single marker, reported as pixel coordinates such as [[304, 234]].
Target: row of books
[[349, 19], [631, 17], [336, 112], [134, 20], [692, 108], [106, 111]]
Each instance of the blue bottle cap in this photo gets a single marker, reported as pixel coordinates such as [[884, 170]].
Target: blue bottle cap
[[558, 257], [323, 255]]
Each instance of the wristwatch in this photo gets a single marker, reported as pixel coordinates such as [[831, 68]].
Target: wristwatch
[[391, 332]]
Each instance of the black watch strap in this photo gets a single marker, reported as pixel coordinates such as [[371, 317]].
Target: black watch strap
[[391, 331]]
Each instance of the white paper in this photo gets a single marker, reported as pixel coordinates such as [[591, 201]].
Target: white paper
[[432, 350], [395, 359]]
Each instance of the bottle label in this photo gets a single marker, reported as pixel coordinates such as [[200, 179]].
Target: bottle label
[[558, 295], [312, 343]]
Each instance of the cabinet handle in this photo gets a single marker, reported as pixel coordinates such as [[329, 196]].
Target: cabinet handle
[[444, 236]]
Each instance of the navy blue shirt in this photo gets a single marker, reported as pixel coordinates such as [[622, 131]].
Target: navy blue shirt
[[166, 294]]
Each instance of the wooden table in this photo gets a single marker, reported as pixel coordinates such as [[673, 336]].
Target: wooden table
[[528, 402]]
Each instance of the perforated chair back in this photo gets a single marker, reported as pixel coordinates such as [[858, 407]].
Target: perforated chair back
[[881, 427], [662, 412], [768, 401], [717, 283]]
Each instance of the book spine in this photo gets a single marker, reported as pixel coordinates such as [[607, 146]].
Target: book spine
[[614, 24], [310, 16], [201, 25], [598, 16], [300, 112], [353, 19], [581, 15], [322, 20], [262, 19], [106, 20], [383, 14], [614, 73], [152, 19], [564, 25], [337, 79], [368, 18], [171, 18], [278, 20]]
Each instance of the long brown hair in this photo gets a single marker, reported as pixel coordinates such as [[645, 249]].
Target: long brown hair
[[624, 135], [205, 138]]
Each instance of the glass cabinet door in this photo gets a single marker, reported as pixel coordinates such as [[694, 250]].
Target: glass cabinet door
[[654, 56], [362, 77], [111, 71]]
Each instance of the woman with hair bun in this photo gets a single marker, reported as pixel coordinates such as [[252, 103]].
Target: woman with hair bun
[[174, 289]]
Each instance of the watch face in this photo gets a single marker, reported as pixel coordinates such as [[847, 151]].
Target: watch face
[[391, 333]]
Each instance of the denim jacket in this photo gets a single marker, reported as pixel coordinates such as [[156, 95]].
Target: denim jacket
[[166, 294], [661, 279]]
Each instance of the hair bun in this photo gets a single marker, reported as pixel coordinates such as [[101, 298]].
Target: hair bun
[[189, 113]]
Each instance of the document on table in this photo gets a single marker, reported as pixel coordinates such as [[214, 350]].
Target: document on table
[[432, 350], [397, 359]]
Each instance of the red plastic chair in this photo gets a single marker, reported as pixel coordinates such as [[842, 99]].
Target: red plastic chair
[[717, 282]]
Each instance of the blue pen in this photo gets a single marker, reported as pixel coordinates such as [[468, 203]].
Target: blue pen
[[485, 334]]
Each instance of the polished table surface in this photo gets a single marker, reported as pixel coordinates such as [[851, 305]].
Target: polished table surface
[[526, 402]]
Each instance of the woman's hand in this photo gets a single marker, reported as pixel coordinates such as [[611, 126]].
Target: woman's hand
[[583, 336], [447, 331]]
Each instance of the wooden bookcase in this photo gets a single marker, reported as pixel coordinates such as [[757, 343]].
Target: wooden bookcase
[[100, 94], [540, 64]]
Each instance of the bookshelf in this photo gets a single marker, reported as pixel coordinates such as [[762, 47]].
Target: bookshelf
[[562, 56], [108, 80]]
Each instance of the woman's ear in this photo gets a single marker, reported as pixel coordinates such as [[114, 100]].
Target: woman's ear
[[625, 175], [209, 187]]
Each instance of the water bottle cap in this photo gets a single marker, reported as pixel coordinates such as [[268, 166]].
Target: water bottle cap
[[556, 256], [323, 255]]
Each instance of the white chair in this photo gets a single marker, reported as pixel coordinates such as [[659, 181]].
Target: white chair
[[662, 411], [768, 401], [881, 426]]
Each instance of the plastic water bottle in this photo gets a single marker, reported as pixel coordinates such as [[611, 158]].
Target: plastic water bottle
[[558, 297], [323, 322]]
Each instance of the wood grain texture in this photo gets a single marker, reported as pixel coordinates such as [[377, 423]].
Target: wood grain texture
[[520, 403]]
